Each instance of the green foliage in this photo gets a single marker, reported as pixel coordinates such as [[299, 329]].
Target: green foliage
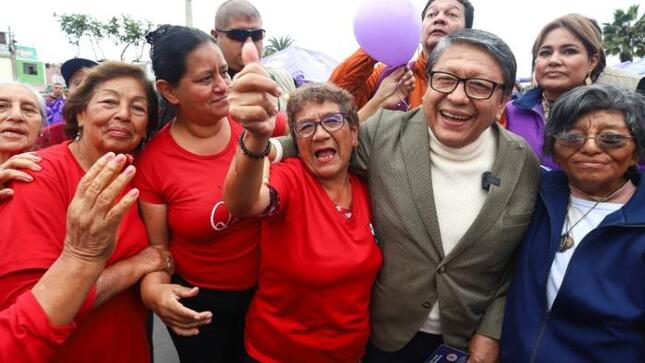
[[123, 30], [75, 27], [625, 36], [277, 44]]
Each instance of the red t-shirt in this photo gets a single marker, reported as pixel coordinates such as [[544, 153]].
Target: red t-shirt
[[316, 274], [51, 135], [31, 238], [26, 334], [210, 247]]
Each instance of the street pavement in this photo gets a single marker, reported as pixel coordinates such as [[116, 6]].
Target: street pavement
[[164, 350]]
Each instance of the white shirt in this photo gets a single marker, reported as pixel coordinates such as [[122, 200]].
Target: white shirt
[[577, 209]]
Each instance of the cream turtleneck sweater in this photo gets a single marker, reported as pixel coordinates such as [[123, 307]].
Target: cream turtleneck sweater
[[458, 195]]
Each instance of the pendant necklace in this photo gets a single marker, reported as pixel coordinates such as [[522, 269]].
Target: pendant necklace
[[566, 241]]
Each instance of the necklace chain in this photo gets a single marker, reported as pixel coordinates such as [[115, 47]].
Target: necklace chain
[[546, 106], [566, 241]]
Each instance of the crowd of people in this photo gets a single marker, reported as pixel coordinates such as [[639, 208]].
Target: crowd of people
[[374, 218]]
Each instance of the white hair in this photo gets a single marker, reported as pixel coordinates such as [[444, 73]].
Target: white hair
[[39, 98]]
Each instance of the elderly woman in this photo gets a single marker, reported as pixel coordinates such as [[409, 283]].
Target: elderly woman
[[112, 111], [566, 54], [318, 255], [578, 294], [22, 114], [452, 194]]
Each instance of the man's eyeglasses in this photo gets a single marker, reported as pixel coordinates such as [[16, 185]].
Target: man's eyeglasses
[[330, 123], [241, 35], [605, 141], [475, 88]]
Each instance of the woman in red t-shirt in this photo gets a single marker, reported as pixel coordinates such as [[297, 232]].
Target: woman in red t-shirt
[[318, 256], [181, 174], [112, 112]]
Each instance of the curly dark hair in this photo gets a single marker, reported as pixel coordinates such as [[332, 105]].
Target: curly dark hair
[[320, 93]]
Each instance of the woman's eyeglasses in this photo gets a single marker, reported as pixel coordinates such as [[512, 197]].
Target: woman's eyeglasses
[[241, 35], [330, 123], [605, 140]]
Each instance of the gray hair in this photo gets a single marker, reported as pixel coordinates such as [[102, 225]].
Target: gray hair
[[571, 106], [486, 41], [40, 101], [235, 9]]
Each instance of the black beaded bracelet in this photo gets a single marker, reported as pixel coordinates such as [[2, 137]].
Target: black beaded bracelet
[[249, 153]]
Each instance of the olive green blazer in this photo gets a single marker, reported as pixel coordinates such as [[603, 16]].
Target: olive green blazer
[[471, 281]]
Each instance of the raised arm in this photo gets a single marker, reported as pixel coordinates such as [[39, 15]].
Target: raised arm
[[252, 102], [393, 89], [358, 75]]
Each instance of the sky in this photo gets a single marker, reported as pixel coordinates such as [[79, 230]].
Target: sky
[[323, 25]]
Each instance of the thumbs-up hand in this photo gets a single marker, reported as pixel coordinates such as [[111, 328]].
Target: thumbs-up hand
[[253, 95], [250, 53]]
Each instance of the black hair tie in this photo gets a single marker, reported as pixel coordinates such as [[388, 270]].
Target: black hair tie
[[153, 36]]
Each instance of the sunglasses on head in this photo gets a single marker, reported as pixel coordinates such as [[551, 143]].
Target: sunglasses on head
[[241, 35]]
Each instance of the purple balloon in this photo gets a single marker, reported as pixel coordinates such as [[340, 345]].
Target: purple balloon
[[388, 30]]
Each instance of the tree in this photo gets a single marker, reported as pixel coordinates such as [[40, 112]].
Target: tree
[[626, 35], [123, 30], [79, 26], [277, 44]]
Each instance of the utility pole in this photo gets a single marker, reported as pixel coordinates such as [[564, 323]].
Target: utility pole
[[189, 12], [11, 43]]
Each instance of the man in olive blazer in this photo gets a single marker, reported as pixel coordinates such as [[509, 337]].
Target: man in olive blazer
[[470, 78], [471, 281]]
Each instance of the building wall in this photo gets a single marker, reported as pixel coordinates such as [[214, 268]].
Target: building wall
[[31, 72], [6, 75]]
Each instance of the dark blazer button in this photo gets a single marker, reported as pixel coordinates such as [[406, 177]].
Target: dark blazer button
[[426, 305], [442, 269]]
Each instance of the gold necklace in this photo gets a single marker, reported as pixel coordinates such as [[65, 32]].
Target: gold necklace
[[566, 241]]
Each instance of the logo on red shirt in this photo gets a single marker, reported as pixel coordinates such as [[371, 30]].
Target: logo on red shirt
[[221, 219]]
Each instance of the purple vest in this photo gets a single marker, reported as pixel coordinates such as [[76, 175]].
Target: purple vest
[[525, 117]]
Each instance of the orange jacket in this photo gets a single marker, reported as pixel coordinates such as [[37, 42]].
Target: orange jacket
[[360, 73]]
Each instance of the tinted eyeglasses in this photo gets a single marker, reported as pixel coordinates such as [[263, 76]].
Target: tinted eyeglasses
[[331, 122], [605, 140], [475, 88], [241, 35]]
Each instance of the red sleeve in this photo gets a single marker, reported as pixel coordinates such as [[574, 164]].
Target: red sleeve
[[33, 230], [280, 125], [147, 179], [358, 76], [26, 334], [285, 180], [34, 223]]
